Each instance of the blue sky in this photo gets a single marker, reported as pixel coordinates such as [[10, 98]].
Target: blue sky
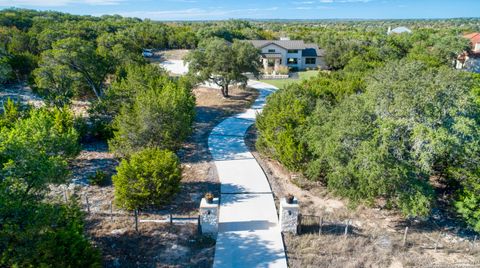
[[259, 9]]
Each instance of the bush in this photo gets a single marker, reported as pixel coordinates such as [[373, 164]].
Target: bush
[[280, 122], [283, 69], [148, 179], [100, 178], [36, 234]]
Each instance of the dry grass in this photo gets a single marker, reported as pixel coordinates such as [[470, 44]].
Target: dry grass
[[377, 250]]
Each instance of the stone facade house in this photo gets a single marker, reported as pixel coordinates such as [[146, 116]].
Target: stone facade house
[[295, 54]]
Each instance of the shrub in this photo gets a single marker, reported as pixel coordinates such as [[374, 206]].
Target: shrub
[[45, 235], [279, 124], [268, 70], [149, 178], [283, 69], [100, 178]]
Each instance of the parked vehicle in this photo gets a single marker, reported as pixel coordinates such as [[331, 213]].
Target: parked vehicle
[[147, 53]]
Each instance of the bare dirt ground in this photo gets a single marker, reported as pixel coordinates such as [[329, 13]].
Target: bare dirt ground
[[19, 93], [173, 54], [375, 236], [155, 244]]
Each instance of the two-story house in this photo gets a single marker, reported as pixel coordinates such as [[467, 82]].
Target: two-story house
[[292, 53]]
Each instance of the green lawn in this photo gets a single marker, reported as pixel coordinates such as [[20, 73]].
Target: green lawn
[[280, 83]]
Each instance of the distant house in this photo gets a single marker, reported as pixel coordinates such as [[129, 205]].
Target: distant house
[[398, 30], [295, 54], [474, 42], [470, 60]]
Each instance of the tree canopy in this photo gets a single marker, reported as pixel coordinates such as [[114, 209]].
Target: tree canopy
[[156, 111], [34, 148], [223, 63]]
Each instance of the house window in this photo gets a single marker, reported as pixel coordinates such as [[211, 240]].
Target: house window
[[310, 61], [292, 61], [292, 51], [271, 51], [271, 62]]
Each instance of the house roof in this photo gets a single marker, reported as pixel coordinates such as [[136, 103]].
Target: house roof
[[399, 30], [287, 44], [312, 50], [308, 50], [474, 37]]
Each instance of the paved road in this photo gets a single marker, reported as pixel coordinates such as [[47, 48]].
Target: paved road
[[248, 234]]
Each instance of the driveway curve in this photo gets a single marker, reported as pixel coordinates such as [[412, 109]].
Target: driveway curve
[[248, 232]]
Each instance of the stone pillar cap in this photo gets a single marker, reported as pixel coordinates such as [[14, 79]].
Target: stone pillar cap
[[285, 204], [205, 204]]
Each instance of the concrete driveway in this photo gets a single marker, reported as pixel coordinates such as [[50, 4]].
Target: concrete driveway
[[249, 235]]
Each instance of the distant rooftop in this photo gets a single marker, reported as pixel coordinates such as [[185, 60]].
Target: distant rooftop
[[399, 30], [474, 37], [308, 50], [287, 44]]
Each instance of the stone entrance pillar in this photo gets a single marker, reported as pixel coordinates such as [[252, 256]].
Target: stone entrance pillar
[[209, 217], [289, 216]]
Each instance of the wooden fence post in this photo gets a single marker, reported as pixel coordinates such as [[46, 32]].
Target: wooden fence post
[[199, 227], [320, 226], [299, 226], [436, 242], [65, 194], [405, 236], [88, 203], [346, 228], [136, 220]]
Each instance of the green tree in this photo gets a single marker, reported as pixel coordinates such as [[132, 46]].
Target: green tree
[[5, 68], [160, 113], [280, 125], [34, 151], [38, 234], [223, 63], [70, 67], [149, 178]]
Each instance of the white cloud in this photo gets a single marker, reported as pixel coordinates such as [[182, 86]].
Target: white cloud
[[345, 1], [200, 14], [184, 1], [329, 2], [303, 2], [56, 3]]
